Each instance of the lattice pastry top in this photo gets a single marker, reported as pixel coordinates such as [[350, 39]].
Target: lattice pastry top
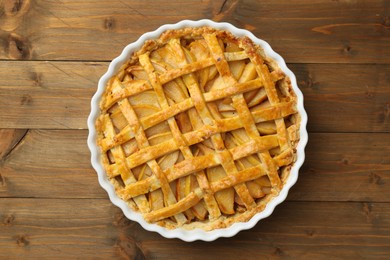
[[198, 129]]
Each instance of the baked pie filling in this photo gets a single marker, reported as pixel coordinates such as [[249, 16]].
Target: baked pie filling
[[198, 129]]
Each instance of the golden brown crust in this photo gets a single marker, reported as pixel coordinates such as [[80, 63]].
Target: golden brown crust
[[198, 129]]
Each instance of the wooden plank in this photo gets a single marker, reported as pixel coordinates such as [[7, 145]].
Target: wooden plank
[[58, 228], [345, 167], [57, 95], [345, 98], [319, 31], [50, 164], [9, 139], [303, 32], [47, 94], [338, 167]]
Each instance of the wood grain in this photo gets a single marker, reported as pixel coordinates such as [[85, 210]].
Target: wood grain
[[56, 95], [52, 54], [345, 98], [93, 228], [302, 32], [50, 164], [47, 94], [55, 164], [345, 167], [10, 138]]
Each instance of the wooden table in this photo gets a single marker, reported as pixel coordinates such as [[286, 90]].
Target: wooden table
[[52, 55]]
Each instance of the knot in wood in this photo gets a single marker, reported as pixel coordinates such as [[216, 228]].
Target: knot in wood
[[109, 23], [375, 179], [16, 7], [18, 48], [22, 240], [386, 21], [2, 181], [26, 100], [8, 220], [129, 248]]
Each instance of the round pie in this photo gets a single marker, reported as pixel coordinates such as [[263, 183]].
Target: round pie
[[198, 129]]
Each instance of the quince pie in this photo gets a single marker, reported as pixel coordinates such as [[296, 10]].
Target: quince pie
[[198, 129]]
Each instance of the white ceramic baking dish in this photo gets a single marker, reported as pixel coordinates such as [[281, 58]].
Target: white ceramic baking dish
[[196, 234]]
